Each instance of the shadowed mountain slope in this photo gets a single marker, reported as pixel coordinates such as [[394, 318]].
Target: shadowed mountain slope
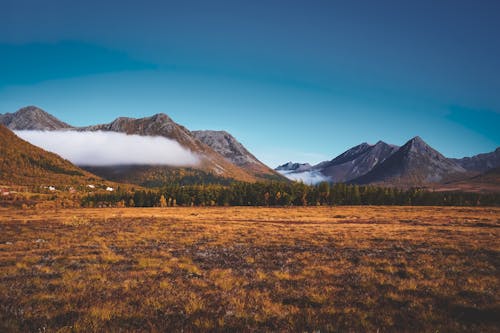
[[414, 164], [22, 163]]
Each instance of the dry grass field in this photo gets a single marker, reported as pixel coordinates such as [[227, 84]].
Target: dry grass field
[[359, 269]]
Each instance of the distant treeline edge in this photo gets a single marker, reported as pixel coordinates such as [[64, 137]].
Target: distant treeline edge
[[285, 194]]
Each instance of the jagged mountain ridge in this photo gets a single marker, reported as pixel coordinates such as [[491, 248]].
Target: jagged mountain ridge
[[347, 166], [414, 164], [356, 161]]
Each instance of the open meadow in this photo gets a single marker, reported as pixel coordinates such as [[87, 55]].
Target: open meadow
[[361, 269]]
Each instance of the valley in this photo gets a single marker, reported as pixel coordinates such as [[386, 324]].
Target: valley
[[249, 166]]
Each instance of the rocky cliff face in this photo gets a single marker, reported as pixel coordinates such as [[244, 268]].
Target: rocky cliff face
[[226, 145]]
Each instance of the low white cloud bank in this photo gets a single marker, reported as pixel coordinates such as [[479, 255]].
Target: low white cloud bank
[[307, 177], [111, 148]]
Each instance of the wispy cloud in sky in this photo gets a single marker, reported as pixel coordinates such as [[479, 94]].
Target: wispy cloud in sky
[[35, 62], [111, 148]]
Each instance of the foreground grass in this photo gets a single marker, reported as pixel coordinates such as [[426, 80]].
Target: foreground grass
[[250, 269]]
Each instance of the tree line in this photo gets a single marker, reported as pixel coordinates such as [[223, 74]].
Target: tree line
[[285, 194]]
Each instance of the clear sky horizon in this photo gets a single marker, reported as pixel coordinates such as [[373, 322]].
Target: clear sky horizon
[[292, 80]]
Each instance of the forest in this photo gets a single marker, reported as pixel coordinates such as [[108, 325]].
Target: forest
[[282, 194]]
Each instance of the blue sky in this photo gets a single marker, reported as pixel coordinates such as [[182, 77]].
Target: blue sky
[[292, 80]]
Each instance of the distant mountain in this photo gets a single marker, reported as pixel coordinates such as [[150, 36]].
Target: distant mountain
[[356, 161], [480, 163], [227, 145], [414, 164], [294, 167], [349, 165], [21, 163], [32, 118]]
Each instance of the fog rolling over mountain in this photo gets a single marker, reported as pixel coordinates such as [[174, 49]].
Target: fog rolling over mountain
[[111, 148], [157, 125], [21, 163], [217, 157], [302, 172], [415, 163], [223, 155], [238, 164]]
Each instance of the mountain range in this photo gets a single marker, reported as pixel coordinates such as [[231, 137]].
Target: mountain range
[[222, 157], [413, 164]]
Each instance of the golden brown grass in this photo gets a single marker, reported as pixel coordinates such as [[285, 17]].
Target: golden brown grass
[[250, 269]]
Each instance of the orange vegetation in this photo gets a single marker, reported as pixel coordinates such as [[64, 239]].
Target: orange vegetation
[[363, 269]]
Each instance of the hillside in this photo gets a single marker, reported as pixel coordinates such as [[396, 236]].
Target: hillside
[[226, 145], [21, 163], [480, 162], [487, 182]]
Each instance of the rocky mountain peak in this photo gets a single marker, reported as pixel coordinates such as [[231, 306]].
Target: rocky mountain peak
[[417, 144], [356, 161], [161, 118], [415, 163], [32, 118]]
